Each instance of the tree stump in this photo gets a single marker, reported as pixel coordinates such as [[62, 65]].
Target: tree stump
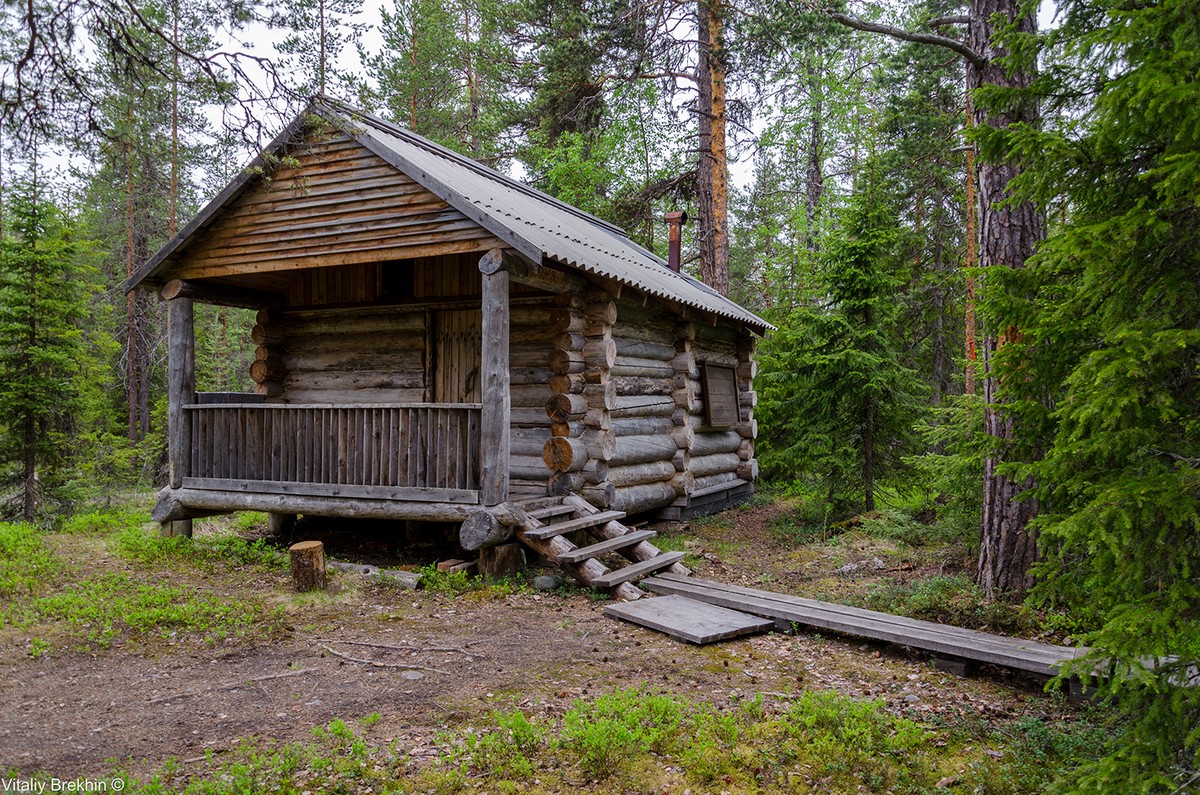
[[503, 560], [308, 565], [481, 529]]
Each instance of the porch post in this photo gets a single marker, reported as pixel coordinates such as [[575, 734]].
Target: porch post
[[496, 403], [181, 389]]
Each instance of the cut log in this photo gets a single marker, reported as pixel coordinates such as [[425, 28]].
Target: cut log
[[599, 494], [601, 444], [564, 362], [501, 562], [638, 474], [262, 371], [712, 464], [600, 313], [602, 395], [279, 524], [683, 483], [569, 341], [566, 428], [565, 454], [268, 334], [710, 443], [564, 408], [748, 470], [569, 320], [600, 352], [635, 499], [180, 528], [640, 449], [483, 529], [562, 483], [308, 565], [571, 384]]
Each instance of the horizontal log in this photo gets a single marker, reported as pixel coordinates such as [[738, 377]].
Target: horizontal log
[[643, 406], [519, 376], [599, 494], [600, 352], [367, 320], [600, 312], [641, 449], [356, 397], [563, 362], [638, 474], [527, 445], [220, 295], [722, 442], [566, 428], [684, 364], [748, 470], [746, 371], [684, 437], [564, 454], [641, 426], [748, 398], [745, 450], [570, 341], [597, 417], [269, 370], [562, 483], [269, 389], [529, 417], [602, 395], [567, 384], [530, 395], [748, 430], [352, 381], [568, 320], [702, 465], [643, 368], [531, 335], [685, 330], [366, 358], [630, 348], [595, 471], [704, 483], [628, 385], [564, 408], [601, 444], [483, 528], [683, 483], [635, 499], [358, 342], [267, 335], [176, 504]]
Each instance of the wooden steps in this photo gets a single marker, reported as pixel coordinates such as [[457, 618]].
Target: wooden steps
[[940, 639], [637, 570], [604, 547], [550, 521], [571, 525]]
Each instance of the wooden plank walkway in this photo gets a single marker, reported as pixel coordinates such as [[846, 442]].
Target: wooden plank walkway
[[942, 640], [688, 619]]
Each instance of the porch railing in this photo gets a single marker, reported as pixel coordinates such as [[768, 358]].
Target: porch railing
[[427, 451]]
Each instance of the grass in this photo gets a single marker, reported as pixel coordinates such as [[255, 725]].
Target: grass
[[460, 583], [641, 740], [92, 607]]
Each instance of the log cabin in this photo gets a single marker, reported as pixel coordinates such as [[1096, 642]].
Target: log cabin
[[439, 342]]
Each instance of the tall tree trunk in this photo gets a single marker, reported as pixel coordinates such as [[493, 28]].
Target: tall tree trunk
[[132, 383], [969, 265], [814, 177], [712, 166], [1008, 234], [29, 477]]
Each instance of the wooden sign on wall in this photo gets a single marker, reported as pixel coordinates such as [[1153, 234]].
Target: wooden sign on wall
[[719, 383]]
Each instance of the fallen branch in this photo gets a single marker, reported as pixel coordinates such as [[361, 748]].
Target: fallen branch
[[233, 686], [404, 648], [378, 664]]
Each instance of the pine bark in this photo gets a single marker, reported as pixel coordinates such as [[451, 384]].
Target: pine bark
[[712, 166], [1008, 234]]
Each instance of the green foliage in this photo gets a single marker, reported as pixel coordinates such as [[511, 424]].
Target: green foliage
[[26, 563], [105, 606], [103, 521], [1107, 373], [950, 473], [457, 583], [836, 399], [606, 732], [148, 547], [42, 306], [954, 600]]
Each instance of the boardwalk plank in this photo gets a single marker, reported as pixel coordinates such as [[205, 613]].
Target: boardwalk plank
[[688, 619]]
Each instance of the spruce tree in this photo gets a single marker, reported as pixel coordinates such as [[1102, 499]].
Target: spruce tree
[[1114, 342], [41, 347], [836, 398]]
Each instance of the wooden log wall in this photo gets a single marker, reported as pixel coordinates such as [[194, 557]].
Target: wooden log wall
[[572, 425], [721, 460], [531, 339], [646, 470], [364, 355]]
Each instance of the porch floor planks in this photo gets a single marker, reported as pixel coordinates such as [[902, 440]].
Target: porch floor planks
[[1024, 655], [688, 619]]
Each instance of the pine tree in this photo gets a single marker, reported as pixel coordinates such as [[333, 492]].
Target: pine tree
[[1113, 340], [40, 341]]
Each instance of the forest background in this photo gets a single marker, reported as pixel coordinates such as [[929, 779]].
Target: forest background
[[978, 243]]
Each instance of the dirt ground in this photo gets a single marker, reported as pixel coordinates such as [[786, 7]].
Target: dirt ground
[[135, 705]]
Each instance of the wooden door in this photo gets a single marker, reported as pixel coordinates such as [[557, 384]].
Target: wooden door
[[456, 375]]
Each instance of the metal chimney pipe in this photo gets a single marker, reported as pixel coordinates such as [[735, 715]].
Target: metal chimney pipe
[[675, 222]]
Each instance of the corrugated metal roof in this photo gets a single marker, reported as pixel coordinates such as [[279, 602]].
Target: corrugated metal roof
[[535, 223]]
